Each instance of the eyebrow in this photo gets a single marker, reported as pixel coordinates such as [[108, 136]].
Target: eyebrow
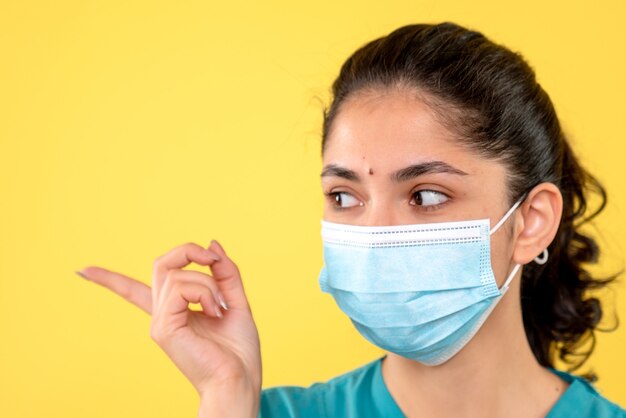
[[399, 176]]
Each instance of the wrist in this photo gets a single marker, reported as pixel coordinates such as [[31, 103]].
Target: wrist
[[239, 400]]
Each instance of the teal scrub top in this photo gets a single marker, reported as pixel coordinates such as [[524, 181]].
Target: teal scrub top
[[362, 393]]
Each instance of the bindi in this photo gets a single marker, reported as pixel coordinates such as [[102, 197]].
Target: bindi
[[370, 170]]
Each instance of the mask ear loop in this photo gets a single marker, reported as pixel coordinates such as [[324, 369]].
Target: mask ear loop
[[506, 215], [505, 286], [542, 260]]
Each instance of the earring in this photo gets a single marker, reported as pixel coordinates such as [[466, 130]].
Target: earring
[[544, 257]]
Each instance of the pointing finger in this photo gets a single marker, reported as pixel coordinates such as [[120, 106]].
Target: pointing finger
[[134, 291]]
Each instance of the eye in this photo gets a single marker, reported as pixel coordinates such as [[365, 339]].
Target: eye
[[343, 200], [429, 198]]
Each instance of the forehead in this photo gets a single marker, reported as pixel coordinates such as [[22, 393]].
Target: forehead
[[390, 129]]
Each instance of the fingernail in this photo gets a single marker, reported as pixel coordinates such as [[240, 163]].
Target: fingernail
[[218, 312], [81, 275], [212, 255], [222, 302]]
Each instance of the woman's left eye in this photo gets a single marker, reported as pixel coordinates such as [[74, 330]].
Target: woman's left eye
[[429, 198]]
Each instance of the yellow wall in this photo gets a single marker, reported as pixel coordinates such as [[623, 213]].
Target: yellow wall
[[130, 127]]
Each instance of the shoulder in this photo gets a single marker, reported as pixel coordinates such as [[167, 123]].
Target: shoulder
[[582, 399], [321, 399]]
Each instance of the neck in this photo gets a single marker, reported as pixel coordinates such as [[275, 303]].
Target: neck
[[494, 374]]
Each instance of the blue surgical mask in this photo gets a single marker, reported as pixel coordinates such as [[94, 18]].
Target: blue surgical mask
[[421, 291]]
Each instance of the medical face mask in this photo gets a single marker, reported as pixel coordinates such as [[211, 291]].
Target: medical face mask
[[421, 291]]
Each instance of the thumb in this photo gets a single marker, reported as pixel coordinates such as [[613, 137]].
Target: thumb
[[228, 278]]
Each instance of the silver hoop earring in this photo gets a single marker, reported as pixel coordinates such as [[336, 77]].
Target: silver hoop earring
[[544, 257]]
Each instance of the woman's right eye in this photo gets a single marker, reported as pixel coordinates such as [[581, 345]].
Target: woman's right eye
[[342, 200]]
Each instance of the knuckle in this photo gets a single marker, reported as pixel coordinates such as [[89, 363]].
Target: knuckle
[[125, 291], [189, 246], [171, 276], [157, 262], [156, 334]]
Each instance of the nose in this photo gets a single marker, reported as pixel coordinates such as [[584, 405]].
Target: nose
[[380, 214]]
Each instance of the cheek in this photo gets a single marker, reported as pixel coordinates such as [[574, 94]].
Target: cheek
[[501, 255]]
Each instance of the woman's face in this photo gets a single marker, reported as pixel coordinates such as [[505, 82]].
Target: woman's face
[[389, 162]]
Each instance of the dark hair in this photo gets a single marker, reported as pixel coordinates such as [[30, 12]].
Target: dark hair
[[488, 96]]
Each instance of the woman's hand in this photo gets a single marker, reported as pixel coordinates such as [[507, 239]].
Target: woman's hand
[[217, 348]]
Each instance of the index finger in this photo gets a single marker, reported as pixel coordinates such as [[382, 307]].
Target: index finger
[[134, 291]]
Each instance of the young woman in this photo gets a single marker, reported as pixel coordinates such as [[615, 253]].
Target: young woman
[[451, 240]]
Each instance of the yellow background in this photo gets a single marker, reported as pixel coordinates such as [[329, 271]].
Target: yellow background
[[130, 127]]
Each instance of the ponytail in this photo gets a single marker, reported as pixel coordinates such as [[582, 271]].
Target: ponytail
[[558, 318]]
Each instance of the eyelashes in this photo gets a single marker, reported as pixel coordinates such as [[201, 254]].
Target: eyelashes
[[425, 200], [335, 197], [430, 198]]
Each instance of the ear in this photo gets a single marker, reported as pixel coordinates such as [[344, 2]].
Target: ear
[[538, 223]]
